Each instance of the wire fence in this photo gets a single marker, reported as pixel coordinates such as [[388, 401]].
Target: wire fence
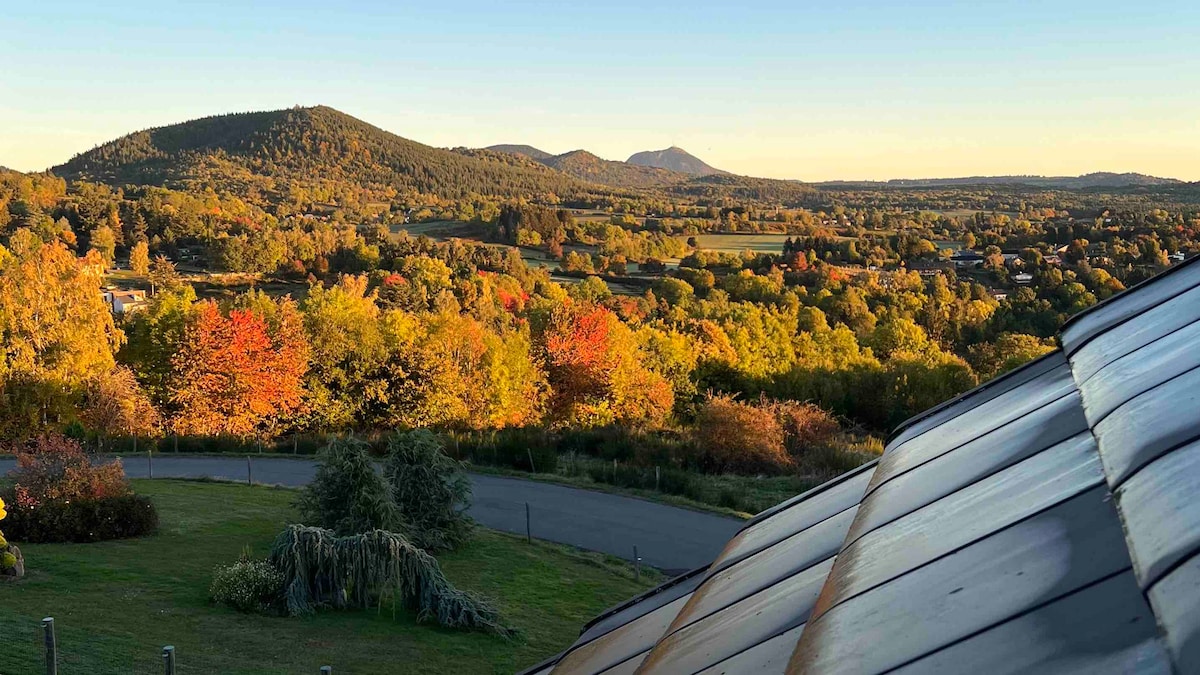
[[47, 657]]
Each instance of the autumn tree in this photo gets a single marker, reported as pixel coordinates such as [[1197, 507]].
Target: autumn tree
[[596, 372], [155, 335], [737, 436], [349, 354], [56, 333], [232, 376], [115, 405], [1008, 351], [139, 258]]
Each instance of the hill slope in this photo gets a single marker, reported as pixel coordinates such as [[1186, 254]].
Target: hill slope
[[307, 147], [674, 159]]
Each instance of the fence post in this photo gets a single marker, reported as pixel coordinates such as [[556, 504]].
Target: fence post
[[528, 529], [150, 462], [249, 472], [168, 655], [656, 479], [532, 468], [176, 437], [295, 444], [51, 646], [637, 564]]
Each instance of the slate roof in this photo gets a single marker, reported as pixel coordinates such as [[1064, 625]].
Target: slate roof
[[1047, 521]]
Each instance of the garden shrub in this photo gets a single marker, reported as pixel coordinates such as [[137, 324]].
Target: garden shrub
[[348, 495], [59, 495], [430, 489], [55, 468], [83, 521], [248, 586], [323, 570], [10, 560]]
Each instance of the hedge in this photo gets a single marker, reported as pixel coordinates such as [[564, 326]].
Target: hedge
[[81, 521]]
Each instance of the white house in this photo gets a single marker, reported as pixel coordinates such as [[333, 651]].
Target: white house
[[122, 300]]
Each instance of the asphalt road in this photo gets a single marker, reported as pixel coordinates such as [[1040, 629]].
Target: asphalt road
[[667, 537]]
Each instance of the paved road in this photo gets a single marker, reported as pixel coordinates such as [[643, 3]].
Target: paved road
[[667, 537]]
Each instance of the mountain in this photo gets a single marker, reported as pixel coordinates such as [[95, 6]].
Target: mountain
[[276, 151], [674, 159], [1086, 181], [526, 150], [586, 166]]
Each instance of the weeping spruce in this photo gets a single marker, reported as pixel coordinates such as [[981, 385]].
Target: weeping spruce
[[321, 569]]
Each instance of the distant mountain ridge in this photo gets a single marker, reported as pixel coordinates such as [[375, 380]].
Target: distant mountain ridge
[[526, 150], [300, 157], [584, 165], [674, 159], [1099, 179]]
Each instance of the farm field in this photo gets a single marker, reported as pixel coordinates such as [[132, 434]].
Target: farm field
[[736, 243]]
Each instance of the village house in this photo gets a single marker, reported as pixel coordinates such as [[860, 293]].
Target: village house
[[121, 301], [967, 259]]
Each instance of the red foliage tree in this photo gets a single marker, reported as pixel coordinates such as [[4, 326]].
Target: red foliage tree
[[233, 376]]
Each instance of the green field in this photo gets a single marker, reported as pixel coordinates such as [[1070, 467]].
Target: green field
[[736, 243], [117, 603]]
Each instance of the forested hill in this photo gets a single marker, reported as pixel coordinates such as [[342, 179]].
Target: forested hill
[[308, 148]]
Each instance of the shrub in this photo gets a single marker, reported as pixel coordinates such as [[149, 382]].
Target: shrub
[[348, 495], [248, 586], [739, 437], [512, 447], [55, 468], [430, 489], [805, 426], [83, 521], [321, 570], [8, 552]]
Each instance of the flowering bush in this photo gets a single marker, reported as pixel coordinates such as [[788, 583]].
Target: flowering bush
[[55, 468], [248, 586], [8, 553]]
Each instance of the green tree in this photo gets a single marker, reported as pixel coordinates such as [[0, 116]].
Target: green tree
[[431, 490], [104, 242], [347, 495]]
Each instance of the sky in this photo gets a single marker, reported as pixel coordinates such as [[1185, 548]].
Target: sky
[[854, 90]]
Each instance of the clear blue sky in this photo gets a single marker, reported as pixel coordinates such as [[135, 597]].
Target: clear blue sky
[[809, 90]]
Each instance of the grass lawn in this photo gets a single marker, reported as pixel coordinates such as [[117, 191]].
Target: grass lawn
[[115, 604]]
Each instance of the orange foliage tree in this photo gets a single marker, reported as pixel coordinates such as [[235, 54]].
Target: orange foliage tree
[[596, 370], [235, 376]]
